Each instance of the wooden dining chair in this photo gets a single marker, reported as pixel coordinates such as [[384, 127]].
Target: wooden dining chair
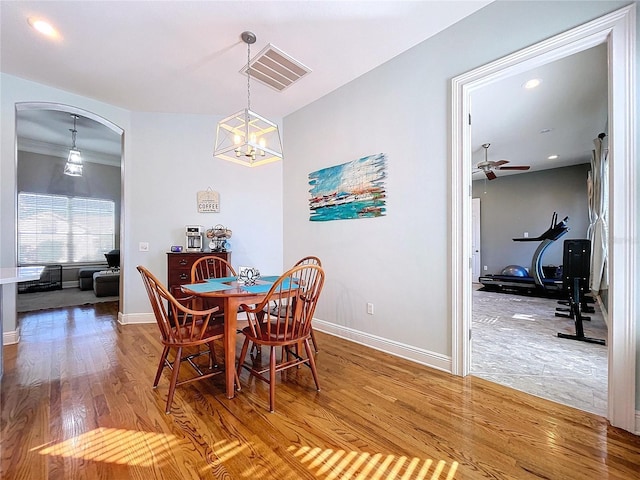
[[211, 266], [208, 267], [309, 260], [183, 330], [287, 329]]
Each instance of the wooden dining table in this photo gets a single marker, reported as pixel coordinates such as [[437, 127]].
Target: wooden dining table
[[233, 294]]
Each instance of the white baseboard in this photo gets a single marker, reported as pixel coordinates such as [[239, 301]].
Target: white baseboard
[[637, 432], [10, 338], [603, 309], [133, 318], [418, 355]]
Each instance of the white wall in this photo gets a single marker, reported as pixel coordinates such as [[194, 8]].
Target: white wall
[[173, 160], [167, 159], [401, 262]]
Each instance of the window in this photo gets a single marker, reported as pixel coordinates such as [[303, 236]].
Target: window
[[63, 230]]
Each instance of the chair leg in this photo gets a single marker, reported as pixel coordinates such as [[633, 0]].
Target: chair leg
[[213, 361], [237, 380], [272, 380], [243, 354], [174, 379], [312, 363], [161, 365], [313, 340]]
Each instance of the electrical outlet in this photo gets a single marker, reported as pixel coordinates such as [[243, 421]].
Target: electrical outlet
[[143, 246], [526, 234], [370, 308], [485, 268]]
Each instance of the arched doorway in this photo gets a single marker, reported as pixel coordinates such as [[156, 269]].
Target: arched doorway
[[43, 140]]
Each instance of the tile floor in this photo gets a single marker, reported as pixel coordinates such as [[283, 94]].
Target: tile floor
[[515, 344]]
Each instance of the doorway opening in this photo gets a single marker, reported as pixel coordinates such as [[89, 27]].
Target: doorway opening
[[616, 30], [514, 340], [67, 222]]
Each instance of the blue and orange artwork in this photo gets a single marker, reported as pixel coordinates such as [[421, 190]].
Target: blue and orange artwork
[[350, 190]]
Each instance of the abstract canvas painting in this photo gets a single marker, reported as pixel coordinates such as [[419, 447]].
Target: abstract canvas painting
[[350, 190]]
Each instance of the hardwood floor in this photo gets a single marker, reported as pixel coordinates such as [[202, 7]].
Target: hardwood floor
[[77, 403]]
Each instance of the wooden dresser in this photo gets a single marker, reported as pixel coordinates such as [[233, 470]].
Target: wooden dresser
[[179, 267]]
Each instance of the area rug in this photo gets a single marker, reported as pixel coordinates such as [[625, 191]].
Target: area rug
[[67, 297]]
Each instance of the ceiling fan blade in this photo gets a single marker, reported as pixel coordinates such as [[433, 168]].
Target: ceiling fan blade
[[516, 167], [499, 163], [490, 175]]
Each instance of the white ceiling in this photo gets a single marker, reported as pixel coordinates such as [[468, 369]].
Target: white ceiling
[[185, 57], [562, 116]]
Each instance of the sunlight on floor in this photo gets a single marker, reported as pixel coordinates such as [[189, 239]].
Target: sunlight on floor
[[338, 464], [226, 449], [145, 449], [115, 445]]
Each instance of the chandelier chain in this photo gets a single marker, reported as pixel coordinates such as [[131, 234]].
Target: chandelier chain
[[248, 76], [74, 132]]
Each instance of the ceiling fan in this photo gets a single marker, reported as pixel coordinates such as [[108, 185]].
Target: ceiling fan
[[488, 167]]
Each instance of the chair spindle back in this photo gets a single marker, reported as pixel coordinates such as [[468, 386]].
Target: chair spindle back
[[211, 267], [178, 324], [292, 322]]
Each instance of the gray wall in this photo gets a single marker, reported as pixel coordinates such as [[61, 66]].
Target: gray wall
[[39, 173], [514, 204], [43, 174], [401, 262]]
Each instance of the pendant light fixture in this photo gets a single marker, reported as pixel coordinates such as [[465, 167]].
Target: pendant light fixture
[[246, 137], [73, 167]]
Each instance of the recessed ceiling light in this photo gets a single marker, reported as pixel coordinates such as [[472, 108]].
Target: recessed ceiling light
[[533, 83], [553, 157], [43, 27]]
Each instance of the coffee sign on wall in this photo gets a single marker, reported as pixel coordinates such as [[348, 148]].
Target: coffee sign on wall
[[208, 201]]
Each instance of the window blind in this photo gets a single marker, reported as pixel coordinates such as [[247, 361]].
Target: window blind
[[64, 230]]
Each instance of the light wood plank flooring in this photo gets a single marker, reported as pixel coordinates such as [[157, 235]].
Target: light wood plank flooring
[[77, 403]]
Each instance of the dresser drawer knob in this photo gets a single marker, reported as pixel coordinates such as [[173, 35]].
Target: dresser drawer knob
[[183, 261], [184, 276]]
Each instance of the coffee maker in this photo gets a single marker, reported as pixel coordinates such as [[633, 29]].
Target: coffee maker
[[194, 238]]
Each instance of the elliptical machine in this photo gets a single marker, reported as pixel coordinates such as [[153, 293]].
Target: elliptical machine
[[536, 281]]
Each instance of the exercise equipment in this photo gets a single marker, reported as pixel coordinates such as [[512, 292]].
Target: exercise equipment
[[536, 280], [576, 261], [514, 271]]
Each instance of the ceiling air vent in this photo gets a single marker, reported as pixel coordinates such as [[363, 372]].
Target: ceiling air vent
[[275, 68]]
